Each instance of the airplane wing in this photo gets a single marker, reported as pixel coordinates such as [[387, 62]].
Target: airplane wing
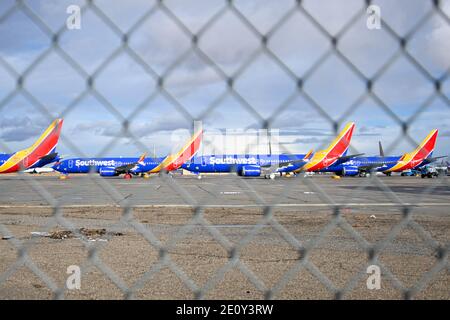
[[346, 158], [49, 157], [132, 166], [374, 165], [433, 159], [287, 164], [371, 166], [282, 164]]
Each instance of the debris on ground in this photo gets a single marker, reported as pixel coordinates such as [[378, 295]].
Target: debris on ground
[[64, 234], [373, 216], [96, 233], [92, 233], [89, 234], [40, 234], [7, 237], [117, 234]]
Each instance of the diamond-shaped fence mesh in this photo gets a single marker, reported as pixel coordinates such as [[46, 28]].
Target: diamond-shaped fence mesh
[[332, 216]]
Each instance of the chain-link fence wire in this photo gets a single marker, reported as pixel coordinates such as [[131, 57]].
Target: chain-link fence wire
[[267, 208]]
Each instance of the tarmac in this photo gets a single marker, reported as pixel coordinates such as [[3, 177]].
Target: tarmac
[[225, 190], [288, 238]]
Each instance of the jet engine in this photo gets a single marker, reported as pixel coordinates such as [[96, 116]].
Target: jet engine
[[250, 171], [349, 171], [107, 172]]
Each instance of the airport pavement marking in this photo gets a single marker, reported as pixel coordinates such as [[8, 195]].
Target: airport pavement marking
[[281, 205]]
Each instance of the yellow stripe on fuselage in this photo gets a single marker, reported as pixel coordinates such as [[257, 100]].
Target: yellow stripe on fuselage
[[167, 160], [14, 160]]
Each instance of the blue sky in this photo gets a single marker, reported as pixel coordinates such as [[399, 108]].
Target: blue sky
[[195, 84]]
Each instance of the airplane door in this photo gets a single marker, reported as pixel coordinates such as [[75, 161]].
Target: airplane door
[[70, 164]]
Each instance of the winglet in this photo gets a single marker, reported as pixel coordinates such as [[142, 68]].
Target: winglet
[[308, 155], [142, 158]]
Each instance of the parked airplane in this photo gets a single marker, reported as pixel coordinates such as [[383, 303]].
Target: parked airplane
[[255, 165], [421, 156], [248, 165], [41, 153], [115, 166]]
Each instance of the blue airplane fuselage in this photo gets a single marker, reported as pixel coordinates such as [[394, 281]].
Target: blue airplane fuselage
[[84, 165], [4, 157], [250, 163]]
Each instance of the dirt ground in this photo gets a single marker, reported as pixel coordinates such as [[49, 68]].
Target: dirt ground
[[266, 265]]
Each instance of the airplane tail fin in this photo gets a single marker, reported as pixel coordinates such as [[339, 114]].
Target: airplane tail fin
[[335, 150], [175, 161], [341, 143], [426, 147], [43, 148], [419, 155], [47, 142]]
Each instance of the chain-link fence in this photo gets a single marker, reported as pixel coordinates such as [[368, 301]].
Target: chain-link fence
[[266, 211]]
